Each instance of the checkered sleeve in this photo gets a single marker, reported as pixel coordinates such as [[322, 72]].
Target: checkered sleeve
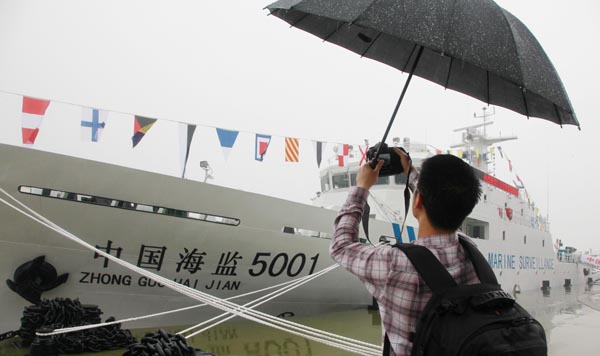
[[370, 264]]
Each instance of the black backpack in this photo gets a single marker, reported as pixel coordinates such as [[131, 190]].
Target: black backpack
[[478, 319]]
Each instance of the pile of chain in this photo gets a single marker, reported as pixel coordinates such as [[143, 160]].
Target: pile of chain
[[65, 312], [164, 344], [8, 335]]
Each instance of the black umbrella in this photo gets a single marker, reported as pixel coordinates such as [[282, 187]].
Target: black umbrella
[[471, 46]]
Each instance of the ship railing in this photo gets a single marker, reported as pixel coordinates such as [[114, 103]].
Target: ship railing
[[566, 258], [539, 224]]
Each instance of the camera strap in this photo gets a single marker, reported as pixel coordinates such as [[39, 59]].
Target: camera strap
[[406, 196], [367, 208]]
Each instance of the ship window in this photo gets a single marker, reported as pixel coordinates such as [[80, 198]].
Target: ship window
[[477, 229], [103, 201], [340, 181], [305, 232], [143, 207], [126, 205], [84, 198], [503, 235], [383, 180], [196, 216], [400, 179], [525, 239], [543, 243], [477, 232], [122, 204], [30, 190], [56, 194], [324, 183]]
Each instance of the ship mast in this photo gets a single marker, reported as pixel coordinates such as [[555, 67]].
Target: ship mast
[[484, 116], [476, 140]]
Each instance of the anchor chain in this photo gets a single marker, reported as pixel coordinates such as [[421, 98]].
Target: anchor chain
[[162, 343], [8, 335], [59, 313]]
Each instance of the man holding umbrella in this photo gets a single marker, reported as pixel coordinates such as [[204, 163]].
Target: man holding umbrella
[[445, 192], [474, 47]]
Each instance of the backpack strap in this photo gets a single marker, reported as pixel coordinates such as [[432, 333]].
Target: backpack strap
[[386, 346], [482, 267], [428, 266]]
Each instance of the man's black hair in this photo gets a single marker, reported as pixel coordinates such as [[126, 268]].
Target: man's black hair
[[449, 190]]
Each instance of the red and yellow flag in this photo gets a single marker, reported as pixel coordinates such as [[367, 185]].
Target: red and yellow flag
[[292, 149]]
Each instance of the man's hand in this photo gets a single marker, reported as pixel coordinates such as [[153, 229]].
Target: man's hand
[[406, 164], [367, 176]]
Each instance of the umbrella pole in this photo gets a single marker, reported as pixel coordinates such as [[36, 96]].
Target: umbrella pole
[[387, 131]]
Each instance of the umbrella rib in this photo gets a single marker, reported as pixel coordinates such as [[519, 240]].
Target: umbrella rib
[[525, 102], [449, 71], [409, 57], [370, 45], [340, 24], [558, 115], [300, 19], [516, 52]]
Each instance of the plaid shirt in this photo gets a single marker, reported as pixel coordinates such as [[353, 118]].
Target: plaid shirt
[[388, 274]]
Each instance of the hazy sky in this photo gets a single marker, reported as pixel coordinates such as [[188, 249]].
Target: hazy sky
[[227, 64]]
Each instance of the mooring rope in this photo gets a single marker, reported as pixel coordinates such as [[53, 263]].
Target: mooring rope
[[238, 310], [255, 303], [355, 346], [126, 320]]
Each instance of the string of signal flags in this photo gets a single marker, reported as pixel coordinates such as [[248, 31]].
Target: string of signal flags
[[94, 121]]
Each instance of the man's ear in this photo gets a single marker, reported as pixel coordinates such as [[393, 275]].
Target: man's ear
[[417, 205], [417, 201]]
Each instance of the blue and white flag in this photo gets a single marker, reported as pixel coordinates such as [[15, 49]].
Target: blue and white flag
[[261, 146], [93, 122], [227, 139]]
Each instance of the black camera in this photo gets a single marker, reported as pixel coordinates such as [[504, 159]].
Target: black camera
[[392, 163]]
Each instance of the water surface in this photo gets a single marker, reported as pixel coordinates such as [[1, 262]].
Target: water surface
[[571, 321]]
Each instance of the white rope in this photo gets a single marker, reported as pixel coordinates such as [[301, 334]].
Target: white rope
[[126, 320], [256, 303], [256, 316], [237, 310]]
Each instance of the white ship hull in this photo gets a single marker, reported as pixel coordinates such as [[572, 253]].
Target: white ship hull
[[219, 256]]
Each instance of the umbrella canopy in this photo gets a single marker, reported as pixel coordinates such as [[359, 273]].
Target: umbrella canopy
[[471, 46]]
